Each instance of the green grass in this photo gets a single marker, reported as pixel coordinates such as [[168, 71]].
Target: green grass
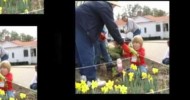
[[21, 6]]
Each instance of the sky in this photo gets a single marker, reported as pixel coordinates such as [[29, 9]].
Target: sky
[[163, 5], [29, 30]]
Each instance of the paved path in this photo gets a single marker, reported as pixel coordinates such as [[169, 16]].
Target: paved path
[[23, 75], [155, 50]]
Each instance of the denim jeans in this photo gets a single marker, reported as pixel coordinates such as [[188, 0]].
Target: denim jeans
[[137, 32], [10, 94], [33, 86], [85, 54], [5, 57], [100, 49], [166, 61]]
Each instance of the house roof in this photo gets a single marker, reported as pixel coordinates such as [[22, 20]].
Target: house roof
[[20, 43], [157, 19], [120, 22]]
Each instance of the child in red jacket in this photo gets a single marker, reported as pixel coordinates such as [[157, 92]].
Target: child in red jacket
[[6, 82], [138, 60]]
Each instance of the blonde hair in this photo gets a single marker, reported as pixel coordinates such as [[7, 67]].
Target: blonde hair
[[5, 64], [138, 39]]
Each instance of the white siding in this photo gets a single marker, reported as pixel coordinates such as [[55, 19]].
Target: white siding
[[150, 29], [18, 54]]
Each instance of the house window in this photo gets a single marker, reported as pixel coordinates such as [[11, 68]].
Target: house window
[[145, 30], [157, 28], [25, 53], [13, 55], [33, 52], [165, 27]]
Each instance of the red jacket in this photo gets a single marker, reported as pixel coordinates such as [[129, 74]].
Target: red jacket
[[8, 83], [140, 61]]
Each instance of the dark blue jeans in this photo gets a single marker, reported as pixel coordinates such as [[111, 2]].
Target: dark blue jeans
[[100, 50], [5, 57], [85, 54], [33, 86], [137, 32], [166, 61]]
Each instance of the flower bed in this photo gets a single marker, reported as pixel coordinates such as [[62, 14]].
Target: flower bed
[[30, 94], [21, 93], [157, 79], [21, 6]]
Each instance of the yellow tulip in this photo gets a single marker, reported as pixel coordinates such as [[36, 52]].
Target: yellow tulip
[[11, 98], [85, 88], [2, 92], [124, 73], [26, 11], [144, 75], [131, 76], [117, 87], [134, 67], [94, 84], [123, 89], [22, 95], [78, 86], [109, 84], [104, 89], [151, 91], [1, 13], [83, 82], [150, 78], [154, 70]]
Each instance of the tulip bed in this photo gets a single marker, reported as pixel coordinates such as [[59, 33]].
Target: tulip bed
[[21, 6], [21, 93], [156, 80]]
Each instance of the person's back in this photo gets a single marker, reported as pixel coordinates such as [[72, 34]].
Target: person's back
[[89, 19], [131, 25]]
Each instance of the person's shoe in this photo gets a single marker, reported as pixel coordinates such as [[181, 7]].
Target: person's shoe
[[83, 77], [89, 83], [101, 82]]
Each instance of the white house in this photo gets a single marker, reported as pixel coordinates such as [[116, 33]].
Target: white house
[[150, 26], [21, 51]]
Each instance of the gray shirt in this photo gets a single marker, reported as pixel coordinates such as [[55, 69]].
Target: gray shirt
[[2, 51], [131, 26]]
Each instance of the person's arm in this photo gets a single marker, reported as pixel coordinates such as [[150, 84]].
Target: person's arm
[[106, 14], [141, 55], [8, 80]]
